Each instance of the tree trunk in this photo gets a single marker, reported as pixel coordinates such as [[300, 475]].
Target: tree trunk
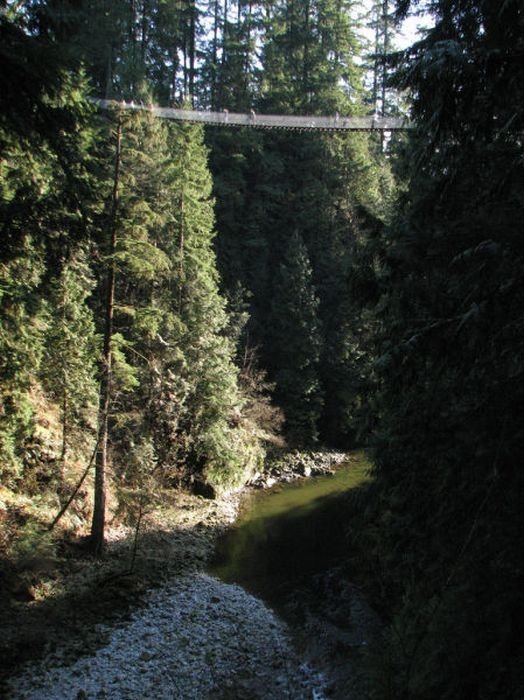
[[377, 58], [99, 510], [192, 51], [109, 73], [306, 83], [65, 388], [225, 34], [65, 424], [247, 22], [214, 101], [181, 254], [385, 19], [145, 26]]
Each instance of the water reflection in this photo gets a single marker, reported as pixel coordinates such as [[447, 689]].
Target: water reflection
[[287, 534]]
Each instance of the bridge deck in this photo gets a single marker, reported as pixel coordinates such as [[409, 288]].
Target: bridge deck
[[268, 121]]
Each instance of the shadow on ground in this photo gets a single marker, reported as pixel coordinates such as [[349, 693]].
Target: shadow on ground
[[63, 603]]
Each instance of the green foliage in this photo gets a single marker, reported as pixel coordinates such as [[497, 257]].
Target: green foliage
[[445, 525], [295, 335], [21, 348], [136, 486], [175, 382], [44, 202], [208, 371], [175, 386], [69, 370], [232, 455], [32, 542], [124, 372], [308, 58], [301, 235], [335, 192]]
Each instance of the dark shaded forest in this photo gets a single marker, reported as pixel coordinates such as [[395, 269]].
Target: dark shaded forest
[[179, 302]]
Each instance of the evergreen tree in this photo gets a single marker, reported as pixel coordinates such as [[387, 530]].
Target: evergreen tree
[[69, 359], [21, 348], [450, 441], [230, 56], [328, 188], [294, 333], [45, 200], [215, 439], [382, 23], [308, 59], [133, 261], [169, 380]]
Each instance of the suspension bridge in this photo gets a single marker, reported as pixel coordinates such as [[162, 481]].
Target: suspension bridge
[[252, 120]]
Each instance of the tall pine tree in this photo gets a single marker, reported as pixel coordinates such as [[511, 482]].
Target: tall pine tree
[[295, 335], [450, 443]]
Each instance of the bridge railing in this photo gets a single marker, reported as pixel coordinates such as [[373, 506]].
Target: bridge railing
[[269, 121]]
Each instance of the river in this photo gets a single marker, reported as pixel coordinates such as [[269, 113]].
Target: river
[[287, 548], [289, 533]]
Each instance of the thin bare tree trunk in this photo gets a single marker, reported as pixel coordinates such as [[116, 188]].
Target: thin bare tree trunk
[[377, 58], [306, 87], [214, 102], [181, 254], [385, 19], [145, 26], [65, 389], [192, 51], [99, 511], [65, 423]]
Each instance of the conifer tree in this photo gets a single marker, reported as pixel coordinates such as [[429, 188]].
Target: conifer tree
[[21, 348], [308, 58], [46, 198], [449, 442], [201, 361], [328, 188], [173, 383], [229, 70], [294, 333], [133, 260], [383, 26], [69, 366]]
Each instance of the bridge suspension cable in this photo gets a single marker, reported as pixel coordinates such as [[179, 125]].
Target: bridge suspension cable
[[266, 121]]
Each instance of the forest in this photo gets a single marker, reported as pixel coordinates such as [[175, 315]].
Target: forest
[[180, 303]]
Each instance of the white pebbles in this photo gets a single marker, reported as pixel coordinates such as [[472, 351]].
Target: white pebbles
[[195, 639]]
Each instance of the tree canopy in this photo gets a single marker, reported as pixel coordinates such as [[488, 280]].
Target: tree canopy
[[172, 297]]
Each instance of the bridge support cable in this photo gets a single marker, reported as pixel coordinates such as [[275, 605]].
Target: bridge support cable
[[266, 121]]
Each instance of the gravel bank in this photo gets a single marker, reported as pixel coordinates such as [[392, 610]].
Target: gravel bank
[[196, 638], [168, 630]]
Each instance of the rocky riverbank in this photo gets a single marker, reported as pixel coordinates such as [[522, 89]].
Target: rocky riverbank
[[58, 602], [194, 639], [297, 464], [93, 635]]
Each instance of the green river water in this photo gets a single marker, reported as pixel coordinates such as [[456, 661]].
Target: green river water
[[287, 534]]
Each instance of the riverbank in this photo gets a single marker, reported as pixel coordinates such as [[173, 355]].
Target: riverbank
[[196, 638], [58, 603], [96, 610], [297, 464]]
